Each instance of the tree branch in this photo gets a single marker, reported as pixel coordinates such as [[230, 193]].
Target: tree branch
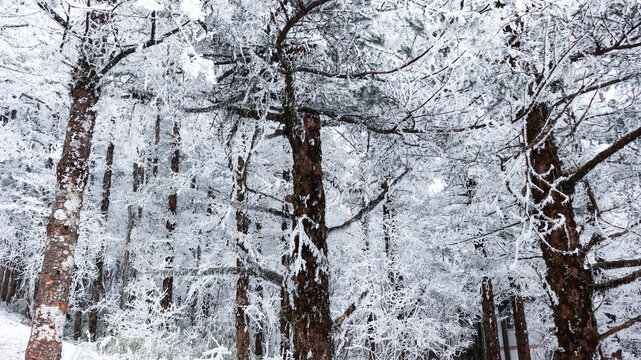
[[616, 264], [599, 158], [132, 49], [54, 15], [269, 275], [296, 18], [350, 310], [618, 328], [611, 284], [370, 206]]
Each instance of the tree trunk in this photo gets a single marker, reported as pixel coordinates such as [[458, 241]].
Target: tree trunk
[[520, 327], [168, 282], [52, 298], [138, 176], [506, 340], [5, 284], [285, 308], [77, 325], [97, 285], [311, 321], [490, 327], [13, 285], [242, 301], [569, 279]]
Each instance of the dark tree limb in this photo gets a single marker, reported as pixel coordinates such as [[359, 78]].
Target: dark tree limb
[[614, 283], [370, 206], [581, 172], [54, 15], [616, 264], [618, 328], [133, 48], [350, 310], [269, 275], [296, 18]]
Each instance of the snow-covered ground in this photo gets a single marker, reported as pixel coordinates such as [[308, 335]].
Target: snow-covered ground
[[14, 335]]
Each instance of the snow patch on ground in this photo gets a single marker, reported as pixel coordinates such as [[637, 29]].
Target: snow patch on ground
[[14, 335]]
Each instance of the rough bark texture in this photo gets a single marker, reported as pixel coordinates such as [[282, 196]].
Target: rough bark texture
[[490, 327], [311, 321], [168, 282], [62, 230], [242, 300], [520, 328], [571, 282]]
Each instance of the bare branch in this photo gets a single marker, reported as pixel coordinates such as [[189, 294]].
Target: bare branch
[[618, 328], [350, 310], [296, 18], [370, 206], [611, 284], [269, 275], [599, 158], [616, 264], [54, 15]]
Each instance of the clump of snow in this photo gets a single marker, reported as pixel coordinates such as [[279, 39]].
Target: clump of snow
[[60, 215], [192, 9], [150, 5], [194, 65]]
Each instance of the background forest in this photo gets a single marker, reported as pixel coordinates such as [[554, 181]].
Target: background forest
[[349, 179]]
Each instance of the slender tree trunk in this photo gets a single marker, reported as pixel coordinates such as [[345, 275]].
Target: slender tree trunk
[[13, 285], [490, 327], [97, 285], [569, 279], [168, 282], [506, 340], [520, 326], [242, 301], [5, 284], [138, 177], [285, 308], [77, 325]]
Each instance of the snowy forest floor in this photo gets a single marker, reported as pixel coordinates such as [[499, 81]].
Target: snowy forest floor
[[14, 335]]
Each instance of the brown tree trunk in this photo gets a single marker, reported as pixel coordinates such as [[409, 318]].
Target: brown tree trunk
[[520, 327], [242, 300], [97, 286], [168, 282], [77, 325], [490, 327], [569, 279], [5, 284], [311, 321], [13, 285], [506, 340], [62, 230]]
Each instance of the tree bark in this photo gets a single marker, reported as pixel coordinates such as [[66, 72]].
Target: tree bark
[[168, 282], [311, 321], [520, 327], [568, 278], [5, 284], [62, 230], [506, 340], [77, 325], [242, 300], [490, 327]]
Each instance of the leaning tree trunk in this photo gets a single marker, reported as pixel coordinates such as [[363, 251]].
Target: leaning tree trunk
[[62, 231], [571, 282], [168, 282], [490, 327], [242, 300], [311, 321]]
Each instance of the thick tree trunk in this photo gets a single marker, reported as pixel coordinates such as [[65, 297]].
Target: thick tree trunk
[[77, 325], [569, 279], [168, 282], [97, 285], [311, 321], [242, 300], [62, 231], [490, 327], [520, 327]]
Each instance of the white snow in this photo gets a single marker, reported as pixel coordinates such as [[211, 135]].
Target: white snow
[[14, 335], [60, 215]]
